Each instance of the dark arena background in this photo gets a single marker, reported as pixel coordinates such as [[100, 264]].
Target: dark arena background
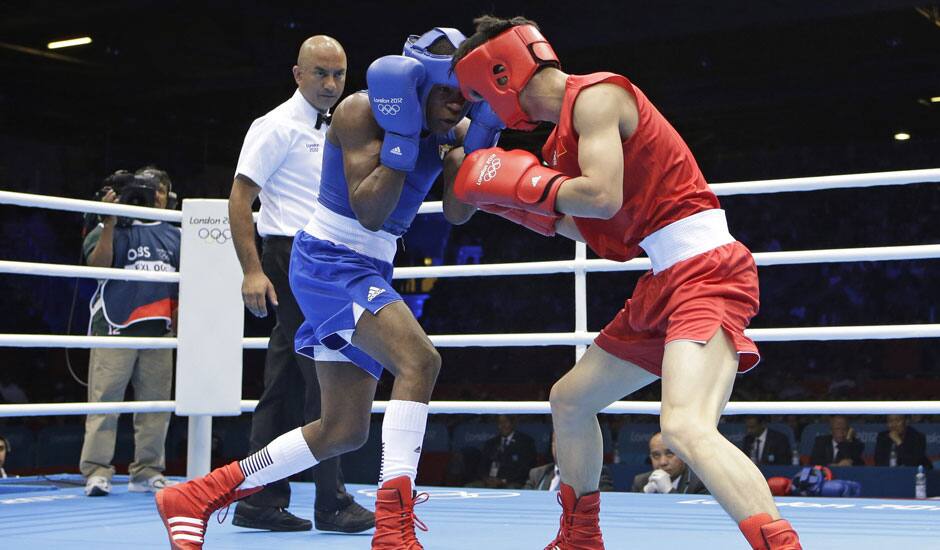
[[759, 90]]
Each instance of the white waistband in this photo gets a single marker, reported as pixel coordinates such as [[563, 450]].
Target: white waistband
[[686, 238], [330, 226]]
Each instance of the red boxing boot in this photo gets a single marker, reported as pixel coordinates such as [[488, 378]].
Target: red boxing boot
[[765, 533], [395, 518], [578, 528], [186, 508]]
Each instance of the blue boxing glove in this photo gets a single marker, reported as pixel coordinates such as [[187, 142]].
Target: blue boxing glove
[[809, 481], [484, 128], [393, 83], [841, 488]]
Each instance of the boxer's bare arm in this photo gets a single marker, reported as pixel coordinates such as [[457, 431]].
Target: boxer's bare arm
[[604, 116], [374, 189], [455, 211], [568, 228]]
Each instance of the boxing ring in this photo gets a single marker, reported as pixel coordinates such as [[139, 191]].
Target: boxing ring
[[37, 515]]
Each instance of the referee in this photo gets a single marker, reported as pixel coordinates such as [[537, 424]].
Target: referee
[[281, 160]]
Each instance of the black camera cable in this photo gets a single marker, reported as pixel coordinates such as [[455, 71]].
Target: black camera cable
[[68, 328]]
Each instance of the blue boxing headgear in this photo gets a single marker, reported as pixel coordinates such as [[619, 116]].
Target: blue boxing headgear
[[437, 66]]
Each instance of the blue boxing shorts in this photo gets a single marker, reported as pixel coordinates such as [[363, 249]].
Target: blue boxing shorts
[[334, 285]]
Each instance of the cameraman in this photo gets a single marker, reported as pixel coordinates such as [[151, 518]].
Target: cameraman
[[131, 308]]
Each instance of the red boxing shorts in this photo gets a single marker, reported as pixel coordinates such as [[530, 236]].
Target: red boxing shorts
[[690, 300]]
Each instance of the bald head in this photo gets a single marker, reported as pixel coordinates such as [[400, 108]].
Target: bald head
[[320, 71], [320, 44]]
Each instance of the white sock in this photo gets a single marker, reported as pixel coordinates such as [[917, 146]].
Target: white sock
[[402, 437], [283, 457]]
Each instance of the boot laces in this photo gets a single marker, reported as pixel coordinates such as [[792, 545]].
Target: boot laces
[[222, 514], [570, 530], [560, 536], [405, 523]]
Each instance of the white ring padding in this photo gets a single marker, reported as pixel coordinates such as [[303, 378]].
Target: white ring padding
[[81, 271], [512, 407], [883, 253]]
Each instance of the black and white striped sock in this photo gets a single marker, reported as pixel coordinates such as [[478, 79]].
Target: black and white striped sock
[[283, 457]]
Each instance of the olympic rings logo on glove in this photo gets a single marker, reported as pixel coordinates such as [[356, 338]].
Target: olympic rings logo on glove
[[388, 110], [221, 236], [489, 169]]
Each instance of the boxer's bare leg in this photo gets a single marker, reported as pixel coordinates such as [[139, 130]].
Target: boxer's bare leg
[[697, 382], [597, 380]]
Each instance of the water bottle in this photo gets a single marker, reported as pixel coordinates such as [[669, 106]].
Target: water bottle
[[920, 483], [616, 456], [893, 459], [795, 457]]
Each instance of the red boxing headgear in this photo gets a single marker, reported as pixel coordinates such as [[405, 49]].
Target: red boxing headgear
[[513, 55]]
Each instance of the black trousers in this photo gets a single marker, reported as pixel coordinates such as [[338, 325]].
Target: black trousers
[[291, 394]]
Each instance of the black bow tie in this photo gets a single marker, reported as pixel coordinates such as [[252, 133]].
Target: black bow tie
[[323, 119]]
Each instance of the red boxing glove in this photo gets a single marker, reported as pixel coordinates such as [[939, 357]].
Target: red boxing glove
[[514, 179], [541, 224], [780, 486]]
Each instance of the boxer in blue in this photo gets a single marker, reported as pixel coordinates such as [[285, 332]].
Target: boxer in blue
[[385, 148]]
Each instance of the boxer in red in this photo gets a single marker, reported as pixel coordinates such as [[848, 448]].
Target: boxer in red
[[621, 179]]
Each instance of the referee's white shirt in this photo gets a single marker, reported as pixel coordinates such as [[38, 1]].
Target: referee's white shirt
[[283, 154]]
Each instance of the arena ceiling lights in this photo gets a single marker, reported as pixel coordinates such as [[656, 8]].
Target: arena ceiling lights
[[59, 44]]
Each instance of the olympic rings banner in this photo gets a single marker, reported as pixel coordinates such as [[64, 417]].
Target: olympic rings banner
[[211, 314]]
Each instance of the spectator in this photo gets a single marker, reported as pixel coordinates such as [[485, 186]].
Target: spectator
[[908, 445], [546, 477], [669, 475], [4, 451], [796, 425], [131, 308], [840, 448], [507, 458], [763, 445]]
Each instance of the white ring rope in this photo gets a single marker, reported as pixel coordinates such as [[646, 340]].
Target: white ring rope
[[63, 341], [833, 255], [875, 254], [60, 270], [795, 334], [95, 207], [814, 183], [846, 181], [513, 407]]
